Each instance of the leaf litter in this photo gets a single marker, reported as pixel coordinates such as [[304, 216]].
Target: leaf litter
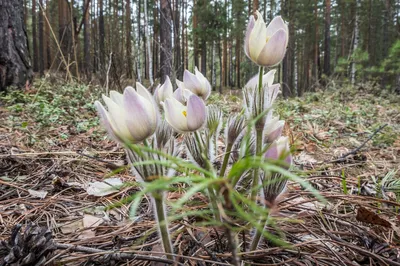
[[46, 180]]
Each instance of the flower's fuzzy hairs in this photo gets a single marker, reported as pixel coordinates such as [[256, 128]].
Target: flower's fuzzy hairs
[[163, 135], [214, 120], [234, 128], [214, 126], [200, 153], [273, 184]]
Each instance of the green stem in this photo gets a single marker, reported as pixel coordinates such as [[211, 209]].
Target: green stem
[[163, 224], [226, 159], [259, 135], [257, 235], [256, 178]]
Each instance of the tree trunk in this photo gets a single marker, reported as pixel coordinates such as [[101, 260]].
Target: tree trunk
[[286, 61], [316, 42], [165, 40], [101, 34], [86, 42], [128, 31], [255, 6], [34, 38], [41, 40], [149, 58], [355, 46], [327, 54], [15, 64], [195, 37], [224, 69]]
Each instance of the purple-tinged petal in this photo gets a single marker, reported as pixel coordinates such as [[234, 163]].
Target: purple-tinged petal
[[176, 115], [276, 24], [191, 82], [274, 50], [105, 120], [196, 113], [141, 119], [249, 29]]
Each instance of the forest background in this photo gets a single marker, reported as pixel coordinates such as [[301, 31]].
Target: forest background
[[118, 42]]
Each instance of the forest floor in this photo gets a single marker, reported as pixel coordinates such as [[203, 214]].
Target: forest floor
[[347, 146]]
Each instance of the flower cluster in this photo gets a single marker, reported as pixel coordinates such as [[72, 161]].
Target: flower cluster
[[142, 122]]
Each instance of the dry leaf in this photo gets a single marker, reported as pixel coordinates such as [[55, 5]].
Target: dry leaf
[[367, 216], [41, 194]]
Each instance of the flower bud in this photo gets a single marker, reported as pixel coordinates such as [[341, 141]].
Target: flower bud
[[197, 83], [279, 150], [131, 117], [266, 46], [163, 91], [273, 129]]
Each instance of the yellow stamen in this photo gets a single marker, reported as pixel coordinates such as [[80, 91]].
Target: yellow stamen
[[268, 37], [184, 113]]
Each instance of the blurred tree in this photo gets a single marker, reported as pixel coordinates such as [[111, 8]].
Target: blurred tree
[[15, 64]]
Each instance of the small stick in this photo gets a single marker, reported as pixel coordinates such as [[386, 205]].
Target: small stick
[[353, 152]]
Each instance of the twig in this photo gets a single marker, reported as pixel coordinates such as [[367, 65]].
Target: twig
[[108, 72], [115, 255], [356, 150]]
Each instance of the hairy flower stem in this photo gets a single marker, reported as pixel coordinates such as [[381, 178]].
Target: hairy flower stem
[[257, 236], [259, 136], [211, 191], [226, 159], [163, 224]]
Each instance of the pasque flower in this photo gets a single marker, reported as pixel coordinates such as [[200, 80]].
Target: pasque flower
[[185, 118], [279, 150], [163, 91], [197, 83], [266, 46], [273, 129], [267, 80], [131, 116]]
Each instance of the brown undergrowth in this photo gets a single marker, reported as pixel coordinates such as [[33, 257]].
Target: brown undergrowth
[[51, 147]]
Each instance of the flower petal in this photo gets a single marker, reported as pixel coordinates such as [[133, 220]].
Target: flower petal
[[117, 118], [142, 91], [257, 38], [175, 114], [268, 79], [249, 29], [140, 117], [274, 50], [105, 120], [117, 97], [276, 24], [196, 113], [191, 81]]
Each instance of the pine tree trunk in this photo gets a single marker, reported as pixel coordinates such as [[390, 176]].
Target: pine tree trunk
[[224, 69], [195, 37], [86, 42], [316, 42], [101, 34], [355, 46], [165, 40], [286, 61], [15, 64], [128, 32], [34, 38], [41, 40], [327, 54], [149, 58]]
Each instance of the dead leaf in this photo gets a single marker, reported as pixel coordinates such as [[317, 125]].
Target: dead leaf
[[41, 194], [107, 187], [367, 216]]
